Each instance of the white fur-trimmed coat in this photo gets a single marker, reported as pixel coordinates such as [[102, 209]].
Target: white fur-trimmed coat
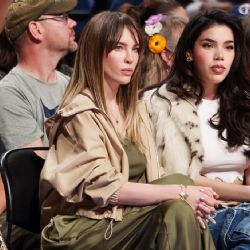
[[177, 132]]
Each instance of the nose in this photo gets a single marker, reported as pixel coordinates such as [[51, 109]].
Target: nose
[[219, 55], [128, 57], [71, 22]]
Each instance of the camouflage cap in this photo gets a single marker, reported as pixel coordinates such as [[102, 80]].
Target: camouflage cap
[[21, 12]]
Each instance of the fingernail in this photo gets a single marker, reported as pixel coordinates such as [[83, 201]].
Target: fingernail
[[211, 219]]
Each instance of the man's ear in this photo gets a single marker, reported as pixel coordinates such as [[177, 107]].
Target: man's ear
[[35, 30], [166, 56]]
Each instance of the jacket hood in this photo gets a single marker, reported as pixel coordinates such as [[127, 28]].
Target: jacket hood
[[82, 102]]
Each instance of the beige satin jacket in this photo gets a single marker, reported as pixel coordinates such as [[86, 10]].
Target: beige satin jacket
[[86, 164]]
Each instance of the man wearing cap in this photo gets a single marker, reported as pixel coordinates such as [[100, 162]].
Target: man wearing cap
[[41, 33]]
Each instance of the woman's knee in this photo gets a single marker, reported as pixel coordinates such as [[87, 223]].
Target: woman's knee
[[178, 209], [177, 216]]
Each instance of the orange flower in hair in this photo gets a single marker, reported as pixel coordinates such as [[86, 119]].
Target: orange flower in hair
[[157, 43]]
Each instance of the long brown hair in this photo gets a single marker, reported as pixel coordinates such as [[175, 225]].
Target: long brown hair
[[101, 35]]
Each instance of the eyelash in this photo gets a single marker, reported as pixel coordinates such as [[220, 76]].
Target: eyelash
[[231, 47], [209, 45], [118, 47], [136, 49]]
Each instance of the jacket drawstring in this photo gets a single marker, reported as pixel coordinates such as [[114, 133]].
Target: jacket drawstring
[[109, 230]]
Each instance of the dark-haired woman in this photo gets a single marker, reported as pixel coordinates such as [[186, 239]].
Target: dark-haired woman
[[202, 120]]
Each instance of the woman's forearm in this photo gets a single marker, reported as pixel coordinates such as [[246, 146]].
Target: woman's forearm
[[201, 199], [226, 191], [139, 194]]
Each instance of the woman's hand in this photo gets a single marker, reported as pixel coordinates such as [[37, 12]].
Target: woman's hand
[[202, 198], [203, 202]]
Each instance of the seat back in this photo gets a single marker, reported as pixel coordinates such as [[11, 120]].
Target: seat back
[[20, 170]]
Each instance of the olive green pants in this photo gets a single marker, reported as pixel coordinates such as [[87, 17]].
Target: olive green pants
[[168, 225]]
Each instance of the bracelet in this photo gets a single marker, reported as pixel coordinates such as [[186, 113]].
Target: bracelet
[[183, 194]]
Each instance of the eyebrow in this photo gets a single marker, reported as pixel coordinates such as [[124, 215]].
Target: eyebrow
[[124, 44], [212, 41]]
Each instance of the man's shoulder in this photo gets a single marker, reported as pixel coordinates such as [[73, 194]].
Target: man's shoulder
[[18, 82], [17, 78], [14, 84], [11, 79], [62, 78], [11, 85]]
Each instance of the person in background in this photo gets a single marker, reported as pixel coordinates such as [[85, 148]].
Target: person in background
[[32, 90], [197, 6], [112, 5], [201, 115], [143, 11], [161, 34], [96, 185], [41, 33]]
